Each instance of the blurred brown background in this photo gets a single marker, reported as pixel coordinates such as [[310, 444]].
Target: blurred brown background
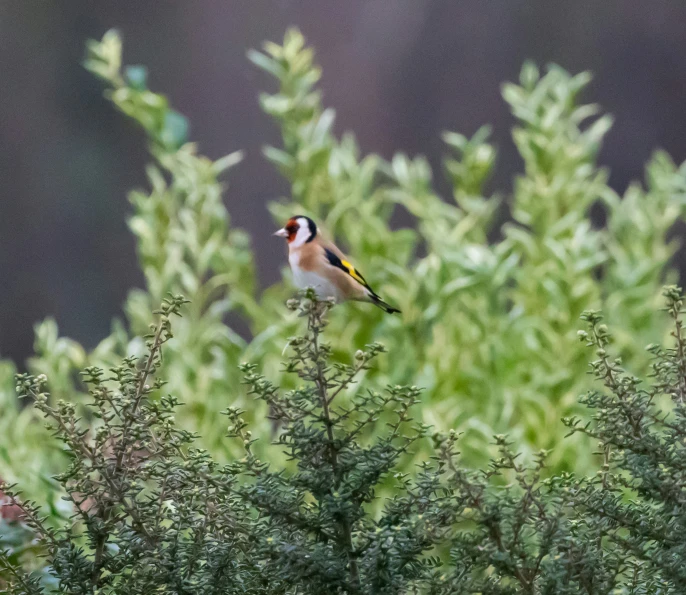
[[398, 73]]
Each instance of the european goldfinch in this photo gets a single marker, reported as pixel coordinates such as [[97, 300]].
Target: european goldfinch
[[321, 265]]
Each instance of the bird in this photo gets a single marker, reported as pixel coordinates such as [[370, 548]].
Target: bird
[[321, 265]]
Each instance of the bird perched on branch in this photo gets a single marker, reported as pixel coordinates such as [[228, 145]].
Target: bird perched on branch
[[321, 265]]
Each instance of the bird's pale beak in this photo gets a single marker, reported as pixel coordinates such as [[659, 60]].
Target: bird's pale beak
[[282, 233]]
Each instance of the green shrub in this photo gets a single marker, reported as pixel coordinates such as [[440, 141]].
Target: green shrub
[[488, 328], [153, 513]]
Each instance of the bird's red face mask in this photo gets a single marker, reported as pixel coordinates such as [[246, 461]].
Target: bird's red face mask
[[289, 231]]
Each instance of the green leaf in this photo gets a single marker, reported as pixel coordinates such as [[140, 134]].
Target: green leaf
[[137, 77], [174, 131]]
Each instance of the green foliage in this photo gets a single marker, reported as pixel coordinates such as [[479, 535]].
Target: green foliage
[[641, 426], [152, 512], [27, 452], [185, 245], [488, 328]]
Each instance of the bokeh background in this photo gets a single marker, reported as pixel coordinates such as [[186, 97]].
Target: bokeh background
[[398, 72]]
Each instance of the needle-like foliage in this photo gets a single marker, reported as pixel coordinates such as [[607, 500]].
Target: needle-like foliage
[[152, 512]]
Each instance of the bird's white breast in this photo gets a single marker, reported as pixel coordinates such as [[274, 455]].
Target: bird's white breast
[[303, 279]]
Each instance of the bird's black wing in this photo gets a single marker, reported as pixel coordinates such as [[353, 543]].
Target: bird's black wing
[[347, 268]]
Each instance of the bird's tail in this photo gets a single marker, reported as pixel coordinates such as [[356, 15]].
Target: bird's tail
[[377, 301]]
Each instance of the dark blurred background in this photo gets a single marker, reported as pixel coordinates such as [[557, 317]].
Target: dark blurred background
[[398, 72]]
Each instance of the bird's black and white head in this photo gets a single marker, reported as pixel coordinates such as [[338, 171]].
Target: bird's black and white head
[[299, 230]]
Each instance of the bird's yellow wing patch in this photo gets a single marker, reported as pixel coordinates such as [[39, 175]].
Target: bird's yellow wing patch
[[353, 272], [349, 269], [346, 267]]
